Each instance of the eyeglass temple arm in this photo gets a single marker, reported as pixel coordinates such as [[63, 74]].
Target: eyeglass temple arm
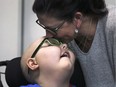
[[33, 55]]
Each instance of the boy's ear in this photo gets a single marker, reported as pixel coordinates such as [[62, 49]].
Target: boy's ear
[[32, 64], [78, 19]]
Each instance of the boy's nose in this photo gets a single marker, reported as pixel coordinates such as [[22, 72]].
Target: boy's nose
[[64, 46]]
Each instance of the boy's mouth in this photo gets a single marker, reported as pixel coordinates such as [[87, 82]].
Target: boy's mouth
[[66, 54]]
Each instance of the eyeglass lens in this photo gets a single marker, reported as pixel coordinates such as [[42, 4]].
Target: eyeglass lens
[[51, 41], [51, 30]]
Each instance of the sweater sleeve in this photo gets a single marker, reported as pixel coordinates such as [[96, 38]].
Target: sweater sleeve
[[111, 38]]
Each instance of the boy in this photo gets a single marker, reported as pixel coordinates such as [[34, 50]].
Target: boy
[[48, 62]]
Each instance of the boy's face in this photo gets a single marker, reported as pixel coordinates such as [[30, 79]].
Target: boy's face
[[53, 59]]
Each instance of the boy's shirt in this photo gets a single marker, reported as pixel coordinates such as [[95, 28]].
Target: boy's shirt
[[36, 85], [31, 85]]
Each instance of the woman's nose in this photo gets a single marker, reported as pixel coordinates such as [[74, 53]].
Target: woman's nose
[[48, 34]]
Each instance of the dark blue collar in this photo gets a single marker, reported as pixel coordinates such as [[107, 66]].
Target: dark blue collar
[[31, 85]]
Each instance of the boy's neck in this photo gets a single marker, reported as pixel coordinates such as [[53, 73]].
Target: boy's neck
[[53, 83]]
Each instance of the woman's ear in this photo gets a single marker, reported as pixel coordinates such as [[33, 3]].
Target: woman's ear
[[32, 64], [78, 19]]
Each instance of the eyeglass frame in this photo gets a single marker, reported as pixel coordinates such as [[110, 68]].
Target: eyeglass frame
[[51, 30], [39, 46]]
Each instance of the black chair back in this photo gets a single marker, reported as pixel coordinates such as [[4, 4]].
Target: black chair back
[[13, 73]]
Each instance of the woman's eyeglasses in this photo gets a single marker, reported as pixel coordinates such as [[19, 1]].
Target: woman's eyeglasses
[[50, 41], [51, 30]]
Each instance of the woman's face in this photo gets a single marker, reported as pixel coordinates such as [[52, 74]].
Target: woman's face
[[55, 59], [59, 29]]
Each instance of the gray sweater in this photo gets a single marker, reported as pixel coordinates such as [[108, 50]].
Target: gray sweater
[[99, 64]]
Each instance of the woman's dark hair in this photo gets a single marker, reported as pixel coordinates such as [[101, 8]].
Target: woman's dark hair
[[65, 9]]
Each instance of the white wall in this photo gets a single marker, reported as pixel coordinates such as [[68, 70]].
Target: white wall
[[10, 28], [31, 30], [112, 2], [10, 31]]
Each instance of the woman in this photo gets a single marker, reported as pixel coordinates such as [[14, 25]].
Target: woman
[[90, 29]]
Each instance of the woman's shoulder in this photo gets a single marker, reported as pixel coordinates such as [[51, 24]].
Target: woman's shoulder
[[111, 18]]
